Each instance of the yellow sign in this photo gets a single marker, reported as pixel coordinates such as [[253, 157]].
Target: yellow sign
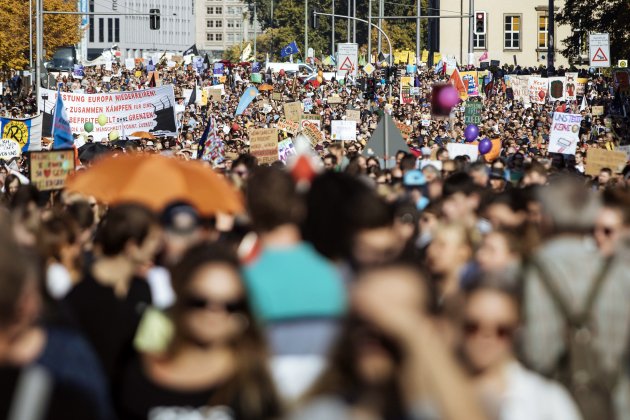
[[622, 63]]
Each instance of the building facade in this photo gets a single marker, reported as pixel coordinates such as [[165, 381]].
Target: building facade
[[515, 32], [132, 34], [221, 24]]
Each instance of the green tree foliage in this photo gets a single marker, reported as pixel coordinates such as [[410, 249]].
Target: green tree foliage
[[602, 16], [288, 24]]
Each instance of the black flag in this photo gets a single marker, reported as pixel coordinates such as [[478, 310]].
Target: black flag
[[191, 51]]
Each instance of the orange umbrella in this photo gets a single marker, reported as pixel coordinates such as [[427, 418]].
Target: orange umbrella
[[157, 181], [265, 87], [143, 135]]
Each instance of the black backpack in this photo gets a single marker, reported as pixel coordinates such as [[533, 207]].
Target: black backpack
[[580, 369]]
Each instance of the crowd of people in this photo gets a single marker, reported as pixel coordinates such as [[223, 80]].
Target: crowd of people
[[430, 288]]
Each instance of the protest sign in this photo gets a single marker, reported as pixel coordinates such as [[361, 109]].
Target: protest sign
[[49, 169], [26, 131], [334, 99], [263, 144], [470, 82], [580, 87], [276, 96], [570, 86], [314, 119], [293, 111], [537, 87], [564, 135], [597, 110], [556, 89], [597, 159], [214, 94], [625, 149], [459, 149], [290, 127], [9, 149], [343, 130], [353, 115], [405, 130], [472, 113], [150, 110], [308, 104], [312, 132], [286, 149], [406, 83]]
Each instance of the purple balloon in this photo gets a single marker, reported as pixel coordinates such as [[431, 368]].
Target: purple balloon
[[485, 145], [471, 132], [448, 97]]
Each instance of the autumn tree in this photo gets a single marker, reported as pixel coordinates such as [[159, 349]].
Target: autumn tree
[[59, 30]]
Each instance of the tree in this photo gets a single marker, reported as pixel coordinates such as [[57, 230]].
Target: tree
[[603, 16], [59, 30]]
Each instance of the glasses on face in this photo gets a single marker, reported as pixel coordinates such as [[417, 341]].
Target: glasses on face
[[472, 328], [198, 303]]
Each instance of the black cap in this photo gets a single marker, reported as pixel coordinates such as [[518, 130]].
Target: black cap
[[180, 218]]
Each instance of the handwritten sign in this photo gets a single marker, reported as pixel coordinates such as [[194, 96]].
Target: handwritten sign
[[263, 143], [335, 99], [286, 149], [276, 96], [290, 127], [343, 130], [9, 149], [564, 135], [293, 111], [214, 95], [598, 110], [472, 114], [312, 132], [459, 149], [50, 169], [353, 115], [597, 159], [538, 88]]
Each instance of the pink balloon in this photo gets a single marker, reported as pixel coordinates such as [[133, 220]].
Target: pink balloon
[[448, 97]]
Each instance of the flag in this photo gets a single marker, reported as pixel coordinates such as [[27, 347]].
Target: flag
[[256, 67], [26, 131], [206, 61], [246, 53], [583, 105], [61, 131], [456, 80], [247, 98], [193, 96], [150, 66], [484, 56], [292, 48], [381, 57], [438, 67], [488, 89], [210, 146], [152, 82], [191, 51]]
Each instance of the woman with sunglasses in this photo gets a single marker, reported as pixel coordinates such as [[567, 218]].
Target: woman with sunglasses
[[215, 364], [507, 389]]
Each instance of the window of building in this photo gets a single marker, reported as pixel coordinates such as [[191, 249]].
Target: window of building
[[237, 23], [218, 10], [230, 38], [543, 28], [219, 37], [512, 32], [91, 29], [230, 23], [116, 30], [209, 37], [219, 24], [210, 11], [110, 30], [101, 30], [210, 24]]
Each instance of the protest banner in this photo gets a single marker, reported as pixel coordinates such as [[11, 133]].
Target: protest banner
[[472, 113], [49, 169], [293, 111], [150, 110], [9, 149], [537, 87], [343, 130], [597, 110], [459, 149], [312, 132], [556, 89], [286, 149], [625, 149], [471, 82], [570, 86], [26, 131], [564, 135], [290, 127], [353, 115], [597, 159], [263, 144]]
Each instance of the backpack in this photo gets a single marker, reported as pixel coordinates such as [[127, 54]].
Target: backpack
[[579, 369]]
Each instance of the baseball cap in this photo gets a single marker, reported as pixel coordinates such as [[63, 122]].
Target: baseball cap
[[180, 218]]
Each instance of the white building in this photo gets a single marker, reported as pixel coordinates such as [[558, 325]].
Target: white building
[[221, 24], [514, 29], [132, 34]]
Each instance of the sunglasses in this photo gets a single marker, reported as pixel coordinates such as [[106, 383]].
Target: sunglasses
[[198, 303], [472, 328]]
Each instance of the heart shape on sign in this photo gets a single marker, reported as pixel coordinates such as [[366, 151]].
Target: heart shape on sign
[[47, 172]]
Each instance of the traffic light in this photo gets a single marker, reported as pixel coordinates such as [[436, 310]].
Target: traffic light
[[480, 23], [154, 19], [314, 19]]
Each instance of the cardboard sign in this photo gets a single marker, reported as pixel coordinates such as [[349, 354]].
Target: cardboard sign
[[597, 159], [472, 113], [263, 143], [286, 149], [214, 95], [290, 127], [459, 149], [49, 170], [564, 135], [597, 110], [293, 111], [537, 87], [334, 99], [9, 149], [556, 89], [276, 96], [312, 132], [343, 130], [353, 115]]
